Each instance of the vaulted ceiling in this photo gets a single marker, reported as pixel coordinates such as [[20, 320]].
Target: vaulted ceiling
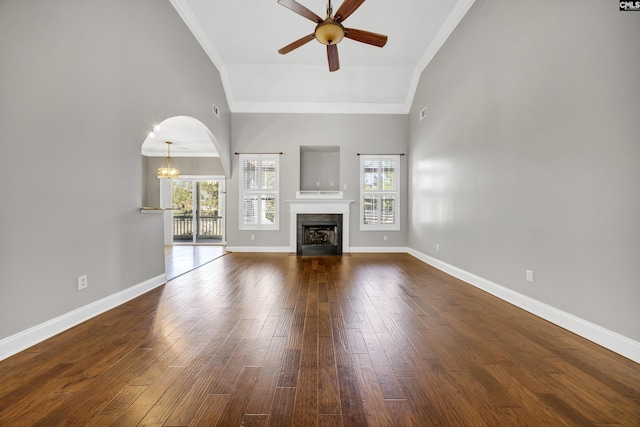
[[242, 39]]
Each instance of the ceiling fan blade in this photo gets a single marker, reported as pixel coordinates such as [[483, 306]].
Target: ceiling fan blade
[[332, 56], [296, 44], [300, 10], [366, 37], [347, 8]]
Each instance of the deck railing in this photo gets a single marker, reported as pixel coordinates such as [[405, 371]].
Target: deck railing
[[209, 226]]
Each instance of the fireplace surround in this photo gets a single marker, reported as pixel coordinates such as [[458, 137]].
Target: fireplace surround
[[308, 205]]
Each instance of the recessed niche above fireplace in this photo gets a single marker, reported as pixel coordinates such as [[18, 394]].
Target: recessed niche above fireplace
[[319, 168]]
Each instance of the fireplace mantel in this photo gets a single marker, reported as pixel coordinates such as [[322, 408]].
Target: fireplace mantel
[[319, 206]]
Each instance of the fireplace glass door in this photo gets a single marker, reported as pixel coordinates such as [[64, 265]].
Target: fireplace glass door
[[319, 234]]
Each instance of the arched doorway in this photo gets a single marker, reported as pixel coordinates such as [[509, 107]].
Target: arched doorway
[[196, 198]]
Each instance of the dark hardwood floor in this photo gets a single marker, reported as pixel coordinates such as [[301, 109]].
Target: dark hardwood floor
[[281, 340]]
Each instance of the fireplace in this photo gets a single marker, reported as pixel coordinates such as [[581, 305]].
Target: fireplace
[[320, 209], [319, 234]]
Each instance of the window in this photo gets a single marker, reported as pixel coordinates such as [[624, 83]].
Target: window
[[379, 192], [259, 192]]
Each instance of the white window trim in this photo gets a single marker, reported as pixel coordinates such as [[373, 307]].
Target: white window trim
[[395, 193], [243, 191]]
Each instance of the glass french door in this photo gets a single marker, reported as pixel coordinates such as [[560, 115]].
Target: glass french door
[[199, 211]]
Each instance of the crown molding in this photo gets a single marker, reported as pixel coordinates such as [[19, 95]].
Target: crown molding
[[459, 11]]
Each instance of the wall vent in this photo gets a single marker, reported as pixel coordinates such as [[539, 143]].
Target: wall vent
[[423, 113], [215, 110]]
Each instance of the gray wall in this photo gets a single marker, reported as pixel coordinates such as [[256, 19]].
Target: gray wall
[[529, 157], [354, 134], [320, 170], [83, 81]]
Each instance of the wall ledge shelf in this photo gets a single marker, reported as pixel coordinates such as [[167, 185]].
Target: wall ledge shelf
[[320, 194], [149, 209]]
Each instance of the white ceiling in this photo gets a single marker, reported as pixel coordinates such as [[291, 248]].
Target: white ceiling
[[242, 39], [188, 137]]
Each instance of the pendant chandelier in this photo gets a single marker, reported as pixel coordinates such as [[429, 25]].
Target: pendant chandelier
[[168, 169]]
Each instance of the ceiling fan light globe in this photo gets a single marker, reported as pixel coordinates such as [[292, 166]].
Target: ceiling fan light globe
[[329, 32]]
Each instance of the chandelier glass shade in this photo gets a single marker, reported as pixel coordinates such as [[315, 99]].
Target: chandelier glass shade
[[168, 169]]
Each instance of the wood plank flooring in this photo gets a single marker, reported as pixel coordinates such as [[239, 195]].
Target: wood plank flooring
[[280, 340], [180, 259]]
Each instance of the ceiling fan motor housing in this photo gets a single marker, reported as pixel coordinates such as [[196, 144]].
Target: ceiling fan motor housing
[[329, 32]]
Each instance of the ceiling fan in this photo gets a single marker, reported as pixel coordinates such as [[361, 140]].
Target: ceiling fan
[[329, 31]]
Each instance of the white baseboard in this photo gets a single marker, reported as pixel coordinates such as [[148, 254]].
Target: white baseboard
[[611, 340], [352, 249], [379, 249], [259, 249], [32, 336]]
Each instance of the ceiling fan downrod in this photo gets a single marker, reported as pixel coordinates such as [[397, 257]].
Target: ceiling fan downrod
[[329, 31]]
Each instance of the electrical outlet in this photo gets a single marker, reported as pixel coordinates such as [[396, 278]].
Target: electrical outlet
[[529, 276], [385, 237], [253, 237], [423, 113], [82, 282], [438, 247]]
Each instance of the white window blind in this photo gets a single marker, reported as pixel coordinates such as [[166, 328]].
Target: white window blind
[[379, 192], [259, 192]]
